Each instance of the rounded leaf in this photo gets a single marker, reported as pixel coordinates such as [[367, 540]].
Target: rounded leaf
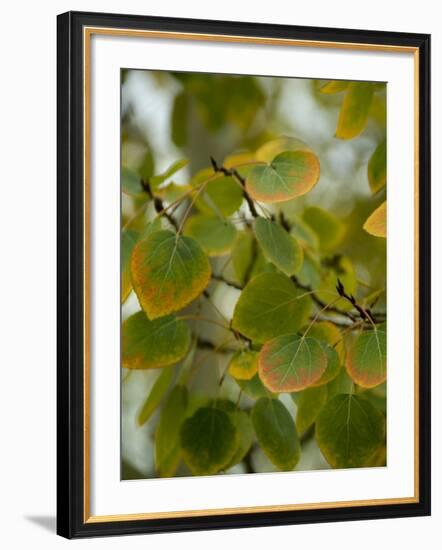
[[244, 426], [268, 151], [376, 223], [333, 366], [128, 241], [377, 168], [329, 229], [366, 361], [131, 183], [278, 246], [355, 109], [208, 441], [244, 365], [291, 363], [221, 196], [270, 305], [289, 175], [153, 344], [168, 272], [309, 405], [325, 331], [214, 235], [276, 433], [156, 394], [350, 431]]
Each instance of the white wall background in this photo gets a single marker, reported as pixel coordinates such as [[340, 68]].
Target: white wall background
[[28, 233]]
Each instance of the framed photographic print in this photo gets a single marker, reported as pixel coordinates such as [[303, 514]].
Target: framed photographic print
[[226, 276]]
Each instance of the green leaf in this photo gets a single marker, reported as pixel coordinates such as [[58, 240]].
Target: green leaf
[[243, 255], [156, 394], [328, 332], [366, 361], [341, 384], [254, 388], [208, 441], [153, 344], [168, 272], [128, 241], [270, 305], [270, 149], [278, 246], [244, 365], [289, 175], [350, 431], [179, 119], [377, 168], [131, 183], [214, 235], [376, 223], [309, 405], [355, 109], [276, 433], [329, 228], [146, 168], [222, 196], [244, 427], [333, 365], [291, 363], [334, 86], [155, 181], [167, 435]]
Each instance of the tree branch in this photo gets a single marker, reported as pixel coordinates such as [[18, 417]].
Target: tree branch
[[363, 313], [158, 204]]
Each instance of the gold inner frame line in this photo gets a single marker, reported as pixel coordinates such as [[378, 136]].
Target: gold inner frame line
[[87, 34]]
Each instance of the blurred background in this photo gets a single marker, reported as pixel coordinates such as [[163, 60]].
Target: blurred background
[[169, 116]]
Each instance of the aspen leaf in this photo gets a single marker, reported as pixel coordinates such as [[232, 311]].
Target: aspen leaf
[[366, 361], [214, 235], [131, 183], [276, 433], [291, 363], [128, 241], [350, 431], [278, 246], [334, 86], [155, 181], [153, 344], [376, 223], [222, 196], [208, 441], [156, 394], [168, 272], [327, 227], [377, 168], [309, 405], [355, 109], [268, 151], [270, 305], [289, 175], [167, 434], [244, 365]]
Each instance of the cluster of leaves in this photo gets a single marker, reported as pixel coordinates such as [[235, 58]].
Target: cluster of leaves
[[301, 326]]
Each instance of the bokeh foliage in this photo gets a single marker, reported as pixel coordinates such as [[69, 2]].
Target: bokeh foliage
[[253, 292]]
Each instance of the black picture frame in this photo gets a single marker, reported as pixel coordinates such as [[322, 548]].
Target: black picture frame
[[71, 521]]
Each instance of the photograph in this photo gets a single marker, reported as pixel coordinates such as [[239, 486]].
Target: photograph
[[253, 274]]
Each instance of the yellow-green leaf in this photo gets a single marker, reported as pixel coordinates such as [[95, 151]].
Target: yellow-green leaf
[[289, 175], [355, 109], [268, 151], [168, 272], [291, 363], [244, 365], [208, 441], [243, 255], [215, 235], [376, 223], [377, 168], [244, 427], [128, 241], [153, 344], [155, 395], [276, 433], [278, 246], [366, 361], [155, 181], [131, 183], [329, 333], [350, 431], [329, 229], [167, 440], [334, 86], [270, 305], [309, 405], [221, 196]]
